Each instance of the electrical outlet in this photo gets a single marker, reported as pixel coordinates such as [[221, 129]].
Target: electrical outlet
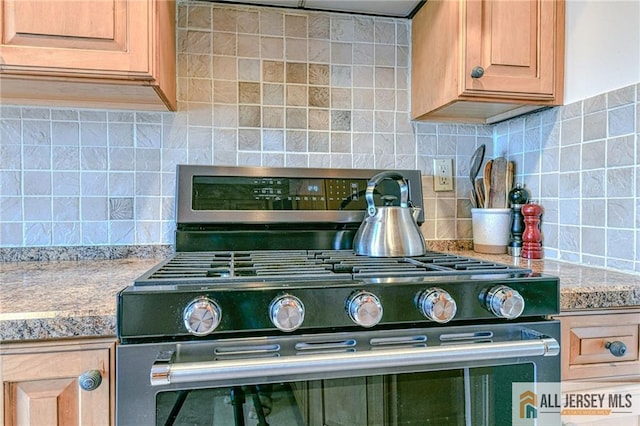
[[443, 174]]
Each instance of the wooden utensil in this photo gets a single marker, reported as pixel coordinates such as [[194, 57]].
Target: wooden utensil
[[509, 184], [473, 198], [487, 184], [480, 192], [498, 183]]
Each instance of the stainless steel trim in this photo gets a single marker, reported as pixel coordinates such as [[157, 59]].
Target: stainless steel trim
[[190, 372], [247, 350], [401, 340], [304, 346], [466, 336]]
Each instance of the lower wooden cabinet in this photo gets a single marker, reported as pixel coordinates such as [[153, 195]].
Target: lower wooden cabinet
[[41, 382], [600, 353], [600, 345]]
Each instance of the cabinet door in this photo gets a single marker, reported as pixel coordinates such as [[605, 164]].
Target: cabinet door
[[76, 37], [514, 42], [41, 388]]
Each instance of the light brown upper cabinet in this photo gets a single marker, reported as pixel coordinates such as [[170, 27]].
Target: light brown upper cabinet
[[482, 61], [88, 53]]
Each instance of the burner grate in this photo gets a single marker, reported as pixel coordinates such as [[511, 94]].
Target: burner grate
[[312, 264]]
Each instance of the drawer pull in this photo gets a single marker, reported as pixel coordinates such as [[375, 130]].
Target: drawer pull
[[477, 72], [90, 380], [616, 348]]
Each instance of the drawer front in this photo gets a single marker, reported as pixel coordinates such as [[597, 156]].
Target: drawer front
[[589, 344]]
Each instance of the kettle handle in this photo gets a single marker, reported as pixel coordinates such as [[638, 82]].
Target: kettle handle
[[375, 180]]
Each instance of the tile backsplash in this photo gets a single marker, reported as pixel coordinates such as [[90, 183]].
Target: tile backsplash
[[280, 87], [256, 86], [580, 162]]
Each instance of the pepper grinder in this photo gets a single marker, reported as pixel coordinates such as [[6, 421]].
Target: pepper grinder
[[518, 197], [532, 238]]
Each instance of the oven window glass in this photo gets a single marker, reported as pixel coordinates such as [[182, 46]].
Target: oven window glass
[[461, 397]]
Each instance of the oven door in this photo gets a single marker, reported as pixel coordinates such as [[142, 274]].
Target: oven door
[[440, 376]]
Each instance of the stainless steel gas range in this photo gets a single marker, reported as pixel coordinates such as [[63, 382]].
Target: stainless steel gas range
[[266, 316]]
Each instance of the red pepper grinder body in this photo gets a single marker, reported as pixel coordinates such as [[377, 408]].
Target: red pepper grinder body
[[531, 237]]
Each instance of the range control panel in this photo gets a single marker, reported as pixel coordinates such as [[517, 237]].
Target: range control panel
[[209, 196], [283, 193]]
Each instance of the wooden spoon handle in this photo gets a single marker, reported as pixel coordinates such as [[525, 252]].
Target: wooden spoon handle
[[487, 184], [509, 184]]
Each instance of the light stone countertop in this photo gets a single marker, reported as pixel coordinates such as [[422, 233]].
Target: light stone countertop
[[48, 300]]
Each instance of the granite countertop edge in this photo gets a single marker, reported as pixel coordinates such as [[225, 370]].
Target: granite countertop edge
[[77, 298]]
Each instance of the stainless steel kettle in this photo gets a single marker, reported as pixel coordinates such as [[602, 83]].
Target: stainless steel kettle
[[389, 231]]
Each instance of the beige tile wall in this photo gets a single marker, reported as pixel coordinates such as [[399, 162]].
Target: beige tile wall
[[580, 161], [257, 86], [280, 87]]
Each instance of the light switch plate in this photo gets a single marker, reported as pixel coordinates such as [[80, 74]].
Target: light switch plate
[[443, 174]]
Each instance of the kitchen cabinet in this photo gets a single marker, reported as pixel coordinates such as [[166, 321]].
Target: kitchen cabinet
[[484, 61], [586, 345], [600, 353], [89, 53], [41, 382]]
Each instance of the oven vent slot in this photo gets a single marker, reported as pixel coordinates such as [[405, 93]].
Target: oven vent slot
[[456, 338], [324, 346], [399, 340], [247, 350]]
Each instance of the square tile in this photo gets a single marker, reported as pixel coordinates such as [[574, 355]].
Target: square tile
[[273, 94], [273, 71], [319, 97], [318, 119], [273, 117], [295, 26], [248, 46], [248, 93], [296, 72], [319, 74], [296, 95], [225, 92], [249, 115], [296, 118], [340, 120], [120, 208]]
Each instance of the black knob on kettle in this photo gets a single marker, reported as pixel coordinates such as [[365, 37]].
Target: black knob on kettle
[[617, 348], [388, 200]]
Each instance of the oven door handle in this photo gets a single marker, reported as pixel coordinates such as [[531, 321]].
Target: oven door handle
[[164, 372]]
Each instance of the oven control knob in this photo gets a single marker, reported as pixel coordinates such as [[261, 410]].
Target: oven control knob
[[201, 316], [437, 305], [504, 302], [286, 312], [364, 308]]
